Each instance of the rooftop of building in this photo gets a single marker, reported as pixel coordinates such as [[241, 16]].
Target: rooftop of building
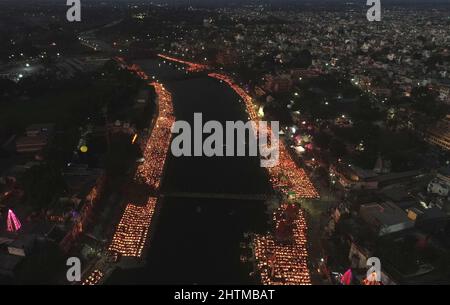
[[384, 214]]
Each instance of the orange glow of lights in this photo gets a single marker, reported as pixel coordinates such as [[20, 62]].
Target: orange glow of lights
[[191, 67], [281, 264], [94, 278], [155, 152], [286, 177], [131, 232]]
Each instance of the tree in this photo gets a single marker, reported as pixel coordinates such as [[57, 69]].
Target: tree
[[337, 148], [303, 60], [7, 87], [426, 102], [121, 155], [43, 266], [42, 184], [279, 111], [322, 140]]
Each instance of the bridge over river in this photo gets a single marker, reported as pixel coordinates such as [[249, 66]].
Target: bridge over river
[[230, 196]]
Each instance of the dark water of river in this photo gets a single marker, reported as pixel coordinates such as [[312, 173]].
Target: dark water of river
[[197, 240]]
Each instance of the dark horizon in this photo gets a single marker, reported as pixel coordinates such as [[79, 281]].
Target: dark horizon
[[246, 2]]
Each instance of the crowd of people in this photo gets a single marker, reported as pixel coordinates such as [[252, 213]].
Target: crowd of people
[[155, 152], [94, 278], [131, 233], [281, 262], [278, 262], [285, 177]]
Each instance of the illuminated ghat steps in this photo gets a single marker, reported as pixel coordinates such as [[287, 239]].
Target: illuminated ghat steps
[[131, 234], [278, 263], [230, 196], [283, 264]]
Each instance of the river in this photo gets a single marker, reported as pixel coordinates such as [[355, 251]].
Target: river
[[197, 240]]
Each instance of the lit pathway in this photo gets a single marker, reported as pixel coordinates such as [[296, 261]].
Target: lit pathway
[[131, 234]]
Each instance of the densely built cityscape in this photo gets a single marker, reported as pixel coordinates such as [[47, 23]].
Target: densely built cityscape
[[92, 193]]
